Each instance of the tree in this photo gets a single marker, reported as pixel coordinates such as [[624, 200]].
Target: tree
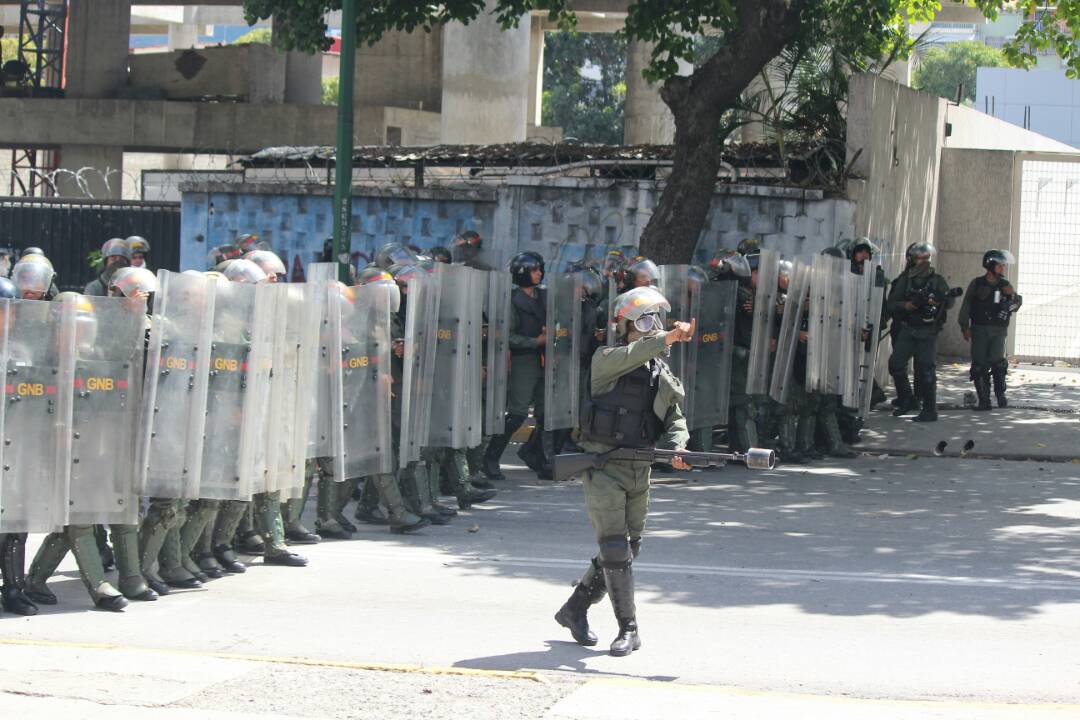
[[589, 109], [752, 33], [941, 70], [330, 87], [256, 36]]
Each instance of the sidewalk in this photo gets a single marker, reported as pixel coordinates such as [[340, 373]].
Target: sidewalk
[[1042, 421]]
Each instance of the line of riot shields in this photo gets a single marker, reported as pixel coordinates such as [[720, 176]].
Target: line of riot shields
[[224, 390]]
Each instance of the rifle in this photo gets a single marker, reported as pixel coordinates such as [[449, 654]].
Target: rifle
[[570, 464]]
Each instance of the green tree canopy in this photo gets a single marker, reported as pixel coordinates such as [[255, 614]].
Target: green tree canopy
[[940, 70], [585, 85], [752, 32], [256, 36]]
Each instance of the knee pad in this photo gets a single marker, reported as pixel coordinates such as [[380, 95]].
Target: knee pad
[[977, 371], [615, 552], [999, 366]]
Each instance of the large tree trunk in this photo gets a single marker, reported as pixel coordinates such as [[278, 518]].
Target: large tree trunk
[[698, 102]]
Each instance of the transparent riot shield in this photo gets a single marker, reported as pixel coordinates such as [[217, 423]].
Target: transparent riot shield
[[108, 343], [760, 359], [824, 361], [422, 299], [708, 369], [291, 388], [234, 457], [360, 390], [562, 353], [612, 295], [175, 386], [870, 299], [791, 325], [39, 359], [850, 341], [455, 402], [675, 286], [322, 277], [496, 350]]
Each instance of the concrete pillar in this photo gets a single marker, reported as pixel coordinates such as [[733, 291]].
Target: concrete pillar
[[96, 163], [186, 35], [97, 48], [647, 120], [401, 70], [485, 92], [536, 72]]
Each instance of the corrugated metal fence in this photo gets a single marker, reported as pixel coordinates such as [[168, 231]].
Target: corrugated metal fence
[[69, 229]]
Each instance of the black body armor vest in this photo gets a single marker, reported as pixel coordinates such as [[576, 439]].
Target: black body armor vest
[[984, 311], [532, 314], [624, 416]]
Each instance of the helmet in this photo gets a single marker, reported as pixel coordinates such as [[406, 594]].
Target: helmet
[[592, 284], [833, 252], [86, 323], [748, 246], [131, 280], [8, 291], [32, 251], [377, 277], [920, 249], [138, 244], [37, 259], [991, 258], [466, 245], [784, 268], [222, 253], [402, 274], [394, 254], [244, 271], [32, 276], [641, 273], [522, 265], [863, 244], [250, 241], [116, 247], [217, 276], [728, 262], [633, 304], [614, 263], [267, 261], [440, 254]]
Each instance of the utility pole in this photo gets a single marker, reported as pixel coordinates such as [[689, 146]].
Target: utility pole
[[343, 162]]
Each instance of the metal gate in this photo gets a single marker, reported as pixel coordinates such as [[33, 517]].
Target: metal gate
[[68, 230]]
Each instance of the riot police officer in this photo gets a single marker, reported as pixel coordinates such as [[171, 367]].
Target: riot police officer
[[115, 254], [919, 300], [984, 317], [634, 401], [139, 248], [742, 424], [528, 336]]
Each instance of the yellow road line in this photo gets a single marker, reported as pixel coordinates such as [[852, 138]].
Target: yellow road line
[[286, 660]]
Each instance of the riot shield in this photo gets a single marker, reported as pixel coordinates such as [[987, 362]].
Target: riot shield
[[612, 295], [234, 447], [291, 387], [675, 286], [175, 386], [496, 351], [108, 344], [360, 389], [870, 298], [322, 277], [824, 361], [850, 340], [562, 354], [791, 324], [39, 358], [708, 367], [455, 401], [760, 359], [422, 300]]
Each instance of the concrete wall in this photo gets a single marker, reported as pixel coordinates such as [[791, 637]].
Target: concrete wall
[[253, 73], [562, 218], [142, 125], [972, 128], [376, 126], [401, 70], [975, 213]]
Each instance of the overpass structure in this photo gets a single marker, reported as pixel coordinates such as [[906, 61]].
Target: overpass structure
[[461, 84]]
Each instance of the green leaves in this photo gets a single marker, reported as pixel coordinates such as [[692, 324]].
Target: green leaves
[[942, 69]]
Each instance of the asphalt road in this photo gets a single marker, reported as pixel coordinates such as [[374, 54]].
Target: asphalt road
[[877, 587]]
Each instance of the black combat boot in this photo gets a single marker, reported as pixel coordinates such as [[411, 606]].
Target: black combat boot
[[573, 614], [999, 371], [531, 451], [497, 445], [14, 563], [929, 398], [227, 559], [905, 400], [548, 443], [982, 388], [620, 585]]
